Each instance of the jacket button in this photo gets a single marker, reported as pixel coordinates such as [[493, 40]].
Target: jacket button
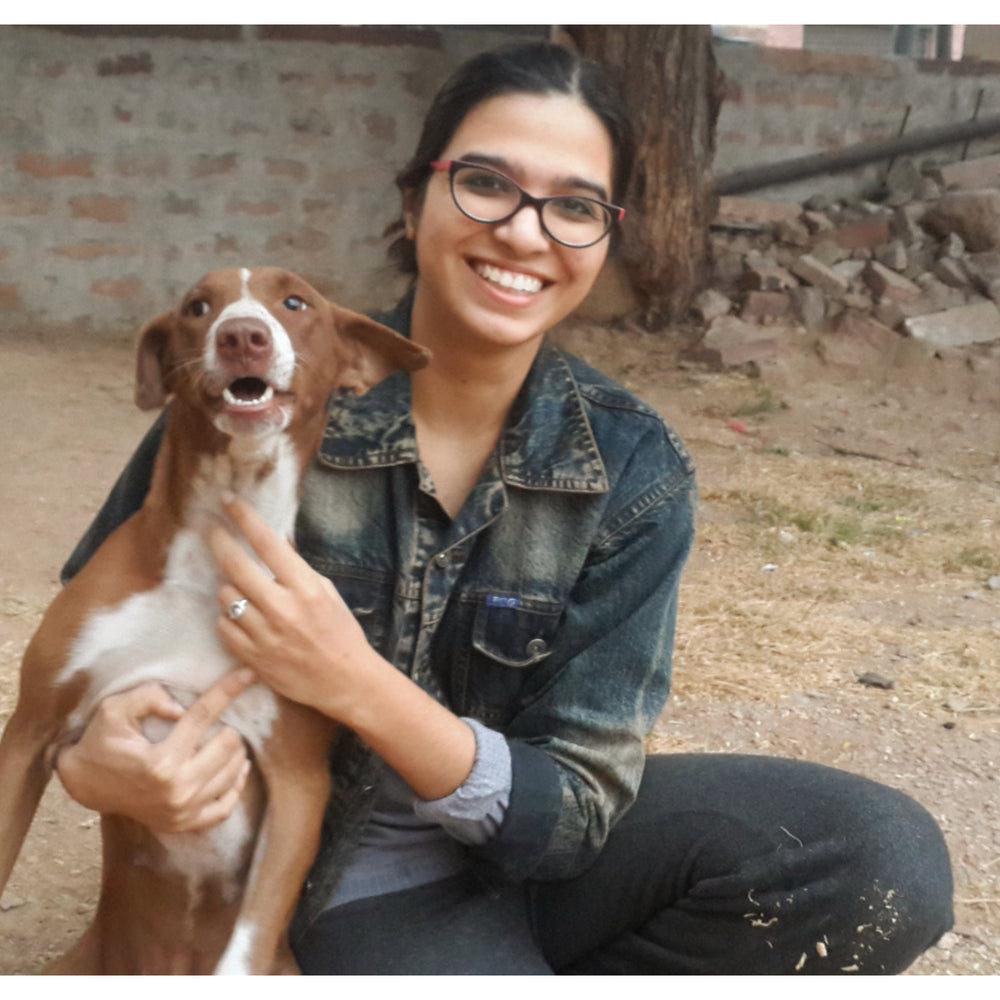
[[536, 647], [441, 560]]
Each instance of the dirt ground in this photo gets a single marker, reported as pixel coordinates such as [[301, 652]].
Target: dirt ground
[[849, 525]]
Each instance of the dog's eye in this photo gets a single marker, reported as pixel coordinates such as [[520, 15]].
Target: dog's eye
[[294, 303], [199, 307]]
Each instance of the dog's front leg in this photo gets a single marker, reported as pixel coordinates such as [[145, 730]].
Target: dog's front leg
[[296, 773]]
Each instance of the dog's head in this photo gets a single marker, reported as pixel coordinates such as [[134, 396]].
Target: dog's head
[[257, 349]]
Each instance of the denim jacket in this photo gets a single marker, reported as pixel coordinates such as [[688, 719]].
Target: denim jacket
[[545, 609]]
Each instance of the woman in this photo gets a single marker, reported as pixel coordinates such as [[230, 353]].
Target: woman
[[485, 598]]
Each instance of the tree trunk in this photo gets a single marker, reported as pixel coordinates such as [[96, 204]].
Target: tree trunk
[[669, 80]]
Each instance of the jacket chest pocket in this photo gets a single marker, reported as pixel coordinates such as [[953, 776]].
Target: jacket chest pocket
[[511, 639]]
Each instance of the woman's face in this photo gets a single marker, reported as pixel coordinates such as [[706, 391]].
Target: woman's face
[[506, 284]]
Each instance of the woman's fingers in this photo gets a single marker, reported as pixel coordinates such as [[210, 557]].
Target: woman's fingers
[[194, 724], [276, 553]]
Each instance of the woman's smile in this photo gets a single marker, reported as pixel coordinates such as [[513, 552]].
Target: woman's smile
[[514, 281]]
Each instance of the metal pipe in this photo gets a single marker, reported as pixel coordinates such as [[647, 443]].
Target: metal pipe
[[770, 174]]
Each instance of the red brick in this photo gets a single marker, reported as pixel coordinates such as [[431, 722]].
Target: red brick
[[819, 99], [380, 126], [427, 38], [829, 63], [211, 166], [126, 65], [866, 233], [254, 208], [355, 79], [133, 163], [307, 240], [733, 92], [44, 167], [90, 251], [287, 168], [101, 208], [125, 289], [10, 297], [831, 138], [18, 207], [775, 92]]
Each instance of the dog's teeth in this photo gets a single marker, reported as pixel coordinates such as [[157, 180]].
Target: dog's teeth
[[232, 400]]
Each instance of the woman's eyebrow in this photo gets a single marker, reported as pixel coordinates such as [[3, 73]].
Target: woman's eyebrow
[[506, 167]]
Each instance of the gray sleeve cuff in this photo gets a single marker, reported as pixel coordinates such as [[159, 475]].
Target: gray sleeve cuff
[[472, 814]]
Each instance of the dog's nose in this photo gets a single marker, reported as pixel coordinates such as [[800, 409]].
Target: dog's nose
[[244, 341]]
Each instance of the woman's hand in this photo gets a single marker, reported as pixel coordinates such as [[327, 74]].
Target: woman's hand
[[296, 633], [183, 783], [301, 638]]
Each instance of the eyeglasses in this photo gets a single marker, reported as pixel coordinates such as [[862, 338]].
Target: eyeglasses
[[486, 195]]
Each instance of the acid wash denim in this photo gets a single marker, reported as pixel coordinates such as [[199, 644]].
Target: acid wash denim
[[546, 609]]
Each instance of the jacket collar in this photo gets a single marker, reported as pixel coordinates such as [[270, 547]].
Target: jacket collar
[[548, 443]]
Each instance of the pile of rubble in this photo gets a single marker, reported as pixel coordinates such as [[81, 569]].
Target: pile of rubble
[[922, 262]]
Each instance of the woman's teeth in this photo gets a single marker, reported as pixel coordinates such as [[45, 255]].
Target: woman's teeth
[[509, 279]]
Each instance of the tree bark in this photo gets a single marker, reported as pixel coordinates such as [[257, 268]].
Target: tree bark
[[670, 82]]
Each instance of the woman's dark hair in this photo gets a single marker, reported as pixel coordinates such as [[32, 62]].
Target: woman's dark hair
[[530, 68]]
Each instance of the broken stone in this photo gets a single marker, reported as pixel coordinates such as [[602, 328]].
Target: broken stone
[[951, 272], [865, 233], [887, 284], [983, 269], [850, 270], [889, 313], [818, 202], [905, 224], [983, 172], [827, 252], [763, 274], [902, 183], [857, 341], [973, 215], [814, 272], [930, 190], [978, 323], [808, 305], [953, 246], [762, 307], [816, 222], [794, 232], [892, 255], [872, 679], [755, 211], [857, 300], [710, 304], [729, 343]]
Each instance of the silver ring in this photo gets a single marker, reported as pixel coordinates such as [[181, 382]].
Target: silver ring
[[238, 608]]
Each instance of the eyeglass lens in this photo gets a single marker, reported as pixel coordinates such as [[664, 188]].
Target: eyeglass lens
[[488, 196]]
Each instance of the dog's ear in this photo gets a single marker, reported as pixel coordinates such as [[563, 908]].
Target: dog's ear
[[151, 365], [371, 351]]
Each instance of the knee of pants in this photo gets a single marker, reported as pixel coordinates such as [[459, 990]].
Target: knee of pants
[[902, 856]]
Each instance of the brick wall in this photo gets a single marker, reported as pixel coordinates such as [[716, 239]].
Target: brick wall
[[132, 160], [786, 103]]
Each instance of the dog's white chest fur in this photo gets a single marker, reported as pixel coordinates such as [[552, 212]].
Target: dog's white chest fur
[[168, 634]]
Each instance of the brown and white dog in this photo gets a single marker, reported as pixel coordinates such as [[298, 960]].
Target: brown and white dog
[[248, 361]]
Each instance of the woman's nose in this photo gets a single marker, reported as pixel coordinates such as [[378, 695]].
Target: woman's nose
[[523, 230]]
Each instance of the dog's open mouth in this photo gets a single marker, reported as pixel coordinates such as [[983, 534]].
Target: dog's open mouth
[[248, 392]]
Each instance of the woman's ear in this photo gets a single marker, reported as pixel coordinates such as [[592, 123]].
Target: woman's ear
[[412, 203]]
